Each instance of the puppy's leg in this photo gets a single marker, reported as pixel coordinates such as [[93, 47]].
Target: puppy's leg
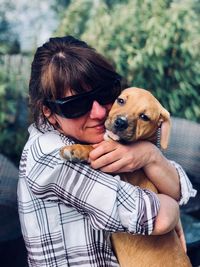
[[76, 152]]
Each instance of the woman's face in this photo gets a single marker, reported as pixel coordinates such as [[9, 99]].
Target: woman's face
[[88, 128]]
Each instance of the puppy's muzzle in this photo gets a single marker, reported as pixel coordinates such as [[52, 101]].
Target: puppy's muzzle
[[120, 124]]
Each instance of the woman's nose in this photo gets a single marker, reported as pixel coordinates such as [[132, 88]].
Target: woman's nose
[[98, 111]]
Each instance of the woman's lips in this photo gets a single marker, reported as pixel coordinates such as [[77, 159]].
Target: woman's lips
[[98, 127]]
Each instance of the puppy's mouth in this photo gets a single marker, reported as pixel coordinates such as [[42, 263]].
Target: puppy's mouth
[[110, 135]]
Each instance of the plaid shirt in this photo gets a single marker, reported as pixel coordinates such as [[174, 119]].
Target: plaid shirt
[[67, 211]]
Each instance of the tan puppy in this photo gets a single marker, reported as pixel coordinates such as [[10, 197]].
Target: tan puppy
[[137, 115]]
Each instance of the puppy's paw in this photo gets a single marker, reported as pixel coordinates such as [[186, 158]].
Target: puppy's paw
[[67, 152], [76, 152]]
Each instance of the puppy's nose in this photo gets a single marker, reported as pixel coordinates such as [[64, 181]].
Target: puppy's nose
[[121, 124]]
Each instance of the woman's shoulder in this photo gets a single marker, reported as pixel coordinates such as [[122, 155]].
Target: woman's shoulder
[[46, 139]]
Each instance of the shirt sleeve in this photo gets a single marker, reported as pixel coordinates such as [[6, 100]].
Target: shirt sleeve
[[187, 189], [109, 203]]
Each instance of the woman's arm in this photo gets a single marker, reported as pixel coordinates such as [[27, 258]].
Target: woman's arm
[[168, 215], [163, 174], [169, 178]]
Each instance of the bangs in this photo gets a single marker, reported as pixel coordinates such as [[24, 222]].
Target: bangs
[[75, 72]]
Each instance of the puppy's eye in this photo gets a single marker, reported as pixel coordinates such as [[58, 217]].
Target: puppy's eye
[[120, 101], [144, 117]]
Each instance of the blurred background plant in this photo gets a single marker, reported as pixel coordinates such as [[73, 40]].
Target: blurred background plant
[[13, 88], [13, 107], [153, 44]]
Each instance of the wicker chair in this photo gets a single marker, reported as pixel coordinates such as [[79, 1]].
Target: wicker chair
[[184, 148], [12, 249]]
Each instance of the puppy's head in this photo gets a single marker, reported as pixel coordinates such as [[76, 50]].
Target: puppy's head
[[137, 115]]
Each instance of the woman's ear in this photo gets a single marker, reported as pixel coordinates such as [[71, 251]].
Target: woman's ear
[[49, 115]]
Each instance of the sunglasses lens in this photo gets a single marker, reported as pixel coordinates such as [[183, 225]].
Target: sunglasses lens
[[108, 95], [76, 108]]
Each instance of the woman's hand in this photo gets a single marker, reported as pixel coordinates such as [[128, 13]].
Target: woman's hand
[[113, 157]]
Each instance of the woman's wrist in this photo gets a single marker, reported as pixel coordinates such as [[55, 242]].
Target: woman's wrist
[[154, 154], [150, 154]]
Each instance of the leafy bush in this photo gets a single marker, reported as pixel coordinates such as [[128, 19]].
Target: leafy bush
[[13, 114], [153, 44]]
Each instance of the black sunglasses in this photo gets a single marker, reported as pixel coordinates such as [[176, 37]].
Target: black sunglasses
[[77, 105]]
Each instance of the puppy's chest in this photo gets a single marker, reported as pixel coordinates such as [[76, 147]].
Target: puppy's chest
[[138, 178]]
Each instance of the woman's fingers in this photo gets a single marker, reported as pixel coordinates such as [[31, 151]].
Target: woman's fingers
[[104, 159], [118, 166], [102, 148], [114, 161]]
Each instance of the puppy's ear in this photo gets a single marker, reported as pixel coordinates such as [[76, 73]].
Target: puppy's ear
[[165, 123]]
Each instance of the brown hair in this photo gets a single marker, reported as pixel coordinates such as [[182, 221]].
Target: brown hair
[[62, 64]]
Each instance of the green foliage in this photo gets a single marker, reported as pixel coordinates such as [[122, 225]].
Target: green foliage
[[9, 42], [13, 113], [153, 44], [76, 17], [59, 5]]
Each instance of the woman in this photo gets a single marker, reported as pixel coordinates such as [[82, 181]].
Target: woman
[[67, 211]]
